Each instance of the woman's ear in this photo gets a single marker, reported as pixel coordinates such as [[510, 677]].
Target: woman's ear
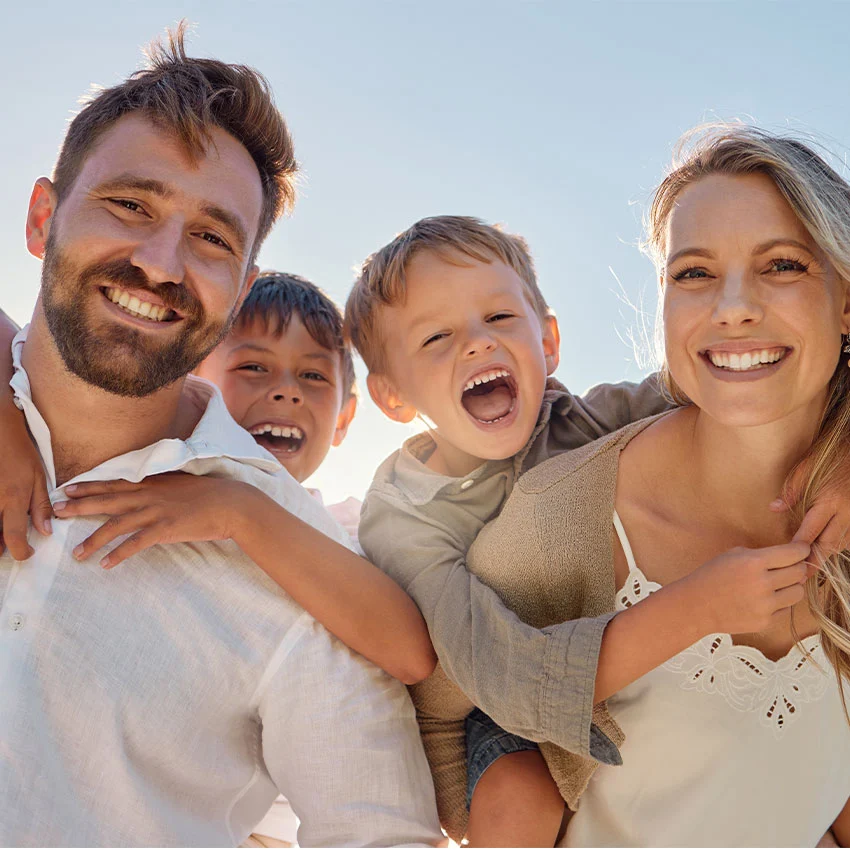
[[387, 398], [43, 202], [551, 343]]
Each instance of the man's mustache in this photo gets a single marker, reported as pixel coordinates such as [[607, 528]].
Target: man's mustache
[[123, 274]]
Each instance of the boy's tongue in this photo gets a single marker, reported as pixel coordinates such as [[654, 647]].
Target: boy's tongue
[[488, 402]]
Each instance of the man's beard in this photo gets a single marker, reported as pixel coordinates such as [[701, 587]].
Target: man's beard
[[117, 358]]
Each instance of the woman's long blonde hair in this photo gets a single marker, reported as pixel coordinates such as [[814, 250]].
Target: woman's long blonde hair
[[820, 198]]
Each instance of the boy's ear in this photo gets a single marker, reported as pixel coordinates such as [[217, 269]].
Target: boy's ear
[[387, 398], [42, 206], [551, 343], [343, 420]]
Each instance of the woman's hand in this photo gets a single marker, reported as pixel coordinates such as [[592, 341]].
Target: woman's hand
[[175, 507], [23, 488]]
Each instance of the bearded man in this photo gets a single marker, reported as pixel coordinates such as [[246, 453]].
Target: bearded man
[[167, 702]]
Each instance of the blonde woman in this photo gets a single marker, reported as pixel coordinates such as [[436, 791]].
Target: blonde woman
[[743, 739]]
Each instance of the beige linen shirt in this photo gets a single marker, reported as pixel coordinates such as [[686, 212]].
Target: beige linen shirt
[[167, 701], [533, 678]]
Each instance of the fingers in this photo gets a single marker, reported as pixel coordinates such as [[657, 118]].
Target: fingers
[[785, 577], [814, 522], [15, 525], [792, 489], [99, 488], [784, 555], [834, 537], [116, 526], [108, 503], [134, 544], [41, 510], [788, 597]]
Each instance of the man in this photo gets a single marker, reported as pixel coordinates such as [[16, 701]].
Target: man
[[167, 701]]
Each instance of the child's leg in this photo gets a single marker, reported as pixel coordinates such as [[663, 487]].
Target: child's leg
[[513, 800]]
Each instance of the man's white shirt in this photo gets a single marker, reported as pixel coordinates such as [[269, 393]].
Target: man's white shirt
[[168, 700]]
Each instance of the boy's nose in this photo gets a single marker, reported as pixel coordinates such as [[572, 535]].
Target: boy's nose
[[480, 343], [285, 392]]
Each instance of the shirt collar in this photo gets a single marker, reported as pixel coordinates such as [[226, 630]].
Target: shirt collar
[[217, 435], [420, 485]]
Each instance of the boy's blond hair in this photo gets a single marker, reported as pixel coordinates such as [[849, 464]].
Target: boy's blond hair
[[381, 282]]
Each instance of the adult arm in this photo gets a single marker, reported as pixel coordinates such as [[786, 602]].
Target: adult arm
[[841, 827], [340, 741]]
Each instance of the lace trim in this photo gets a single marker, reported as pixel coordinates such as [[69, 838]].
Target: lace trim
[[742, 675]]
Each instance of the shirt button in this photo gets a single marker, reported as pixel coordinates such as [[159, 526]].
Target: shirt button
[[16, 622], [467, 484]]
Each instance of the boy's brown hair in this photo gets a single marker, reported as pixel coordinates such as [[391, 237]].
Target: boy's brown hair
[[381, 282], [189, 97], [276, 296]]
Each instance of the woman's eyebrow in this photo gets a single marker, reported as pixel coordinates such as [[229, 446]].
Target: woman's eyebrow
[[690, 252], [764, 247]]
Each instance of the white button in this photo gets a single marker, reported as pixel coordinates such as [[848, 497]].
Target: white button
[[16, 621], [467, 484]]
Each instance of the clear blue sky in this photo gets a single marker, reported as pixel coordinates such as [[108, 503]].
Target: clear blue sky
[[555, 118]]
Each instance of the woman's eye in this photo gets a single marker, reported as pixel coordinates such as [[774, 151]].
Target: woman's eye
[[693, 273], [780, 265], [251, 367]]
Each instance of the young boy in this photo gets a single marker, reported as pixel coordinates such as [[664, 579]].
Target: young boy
[[452, 325]]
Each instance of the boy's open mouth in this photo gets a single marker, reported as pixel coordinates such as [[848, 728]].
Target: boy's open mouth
[[278, 439], [490, 396]]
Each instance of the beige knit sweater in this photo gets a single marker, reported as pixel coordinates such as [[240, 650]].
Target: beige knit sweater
[[549, 556]]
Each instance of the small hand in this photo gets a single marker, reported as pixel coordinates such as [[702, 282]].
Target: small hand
[[23, 488], [827, 522], [171, 508], [744, 590]]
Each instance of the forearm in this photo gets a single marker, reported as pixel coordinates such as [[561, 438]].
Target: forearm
[[841, 827], [8, 330], [644, 636], [352, 598]]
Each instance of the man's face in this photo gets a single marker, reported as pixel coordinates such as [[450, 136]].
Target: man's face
[[146, 256], [286, 390]]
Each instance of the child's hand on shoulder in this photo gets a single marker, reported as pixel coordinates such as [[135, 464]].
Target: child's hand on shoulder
[[174, 507], [23, 488]]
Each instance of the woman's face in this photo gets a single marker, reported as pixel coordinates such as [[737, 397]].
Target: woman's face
[[753, 310]]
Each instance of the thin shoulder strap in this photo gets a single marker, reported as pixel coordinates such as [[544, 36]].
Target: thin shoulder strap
[[624, 542]]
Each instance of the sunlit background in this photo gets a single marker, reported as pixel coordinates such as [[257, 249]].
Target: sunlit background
[[555, 118]]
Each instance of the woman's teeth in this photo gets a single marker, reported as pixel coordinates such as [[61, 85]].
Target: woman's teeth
[[747, 360], [485, 377], [135, 307]]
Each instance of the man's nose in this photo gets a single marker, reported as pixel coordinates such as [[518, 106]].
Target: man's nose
[[737, 301], [159, 253]]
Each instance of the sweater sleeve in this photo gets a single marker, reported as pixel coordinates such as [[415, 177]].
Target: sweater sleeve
[[537, 683]]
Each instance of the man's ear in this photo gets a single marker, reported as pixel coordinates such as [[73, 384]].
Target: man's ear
[[343, 420], [551, 343], [250, 280], [43, 203], [387, 398]]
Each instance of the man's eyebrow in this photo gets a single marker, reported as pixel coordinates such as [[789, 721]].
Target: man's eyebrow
[[133, 182]]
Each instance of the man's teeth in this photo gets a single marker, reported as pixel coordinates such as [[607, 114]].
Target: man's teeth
[[485, 377], [134, 306], [278, 431], [747, 360]]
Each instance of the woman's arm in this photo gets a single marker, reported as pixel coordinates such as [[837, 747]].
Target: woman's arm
[[22, 485], [841, 827], [350, 597]]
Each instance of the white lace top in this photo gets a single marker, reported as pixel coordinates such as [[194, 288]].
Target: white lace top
[[724, 748]]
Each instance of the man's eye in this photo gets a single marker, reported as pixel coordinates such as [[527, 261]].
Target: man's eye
[[131, 206], [251, 367], [214, 240]]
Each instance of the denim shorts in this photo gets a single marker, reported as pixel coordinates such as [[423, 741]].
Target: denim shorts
[[485, 743]]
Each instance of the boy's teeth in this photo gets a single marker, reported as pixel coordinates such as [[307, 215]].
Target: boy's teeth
[[748, 360], [136, 307], [278, 431], [485, 377]]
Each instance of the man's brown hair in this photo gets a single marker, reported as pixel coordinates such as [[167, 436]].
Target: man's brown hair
[[276, 297], [381, 282], [189, 97]]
